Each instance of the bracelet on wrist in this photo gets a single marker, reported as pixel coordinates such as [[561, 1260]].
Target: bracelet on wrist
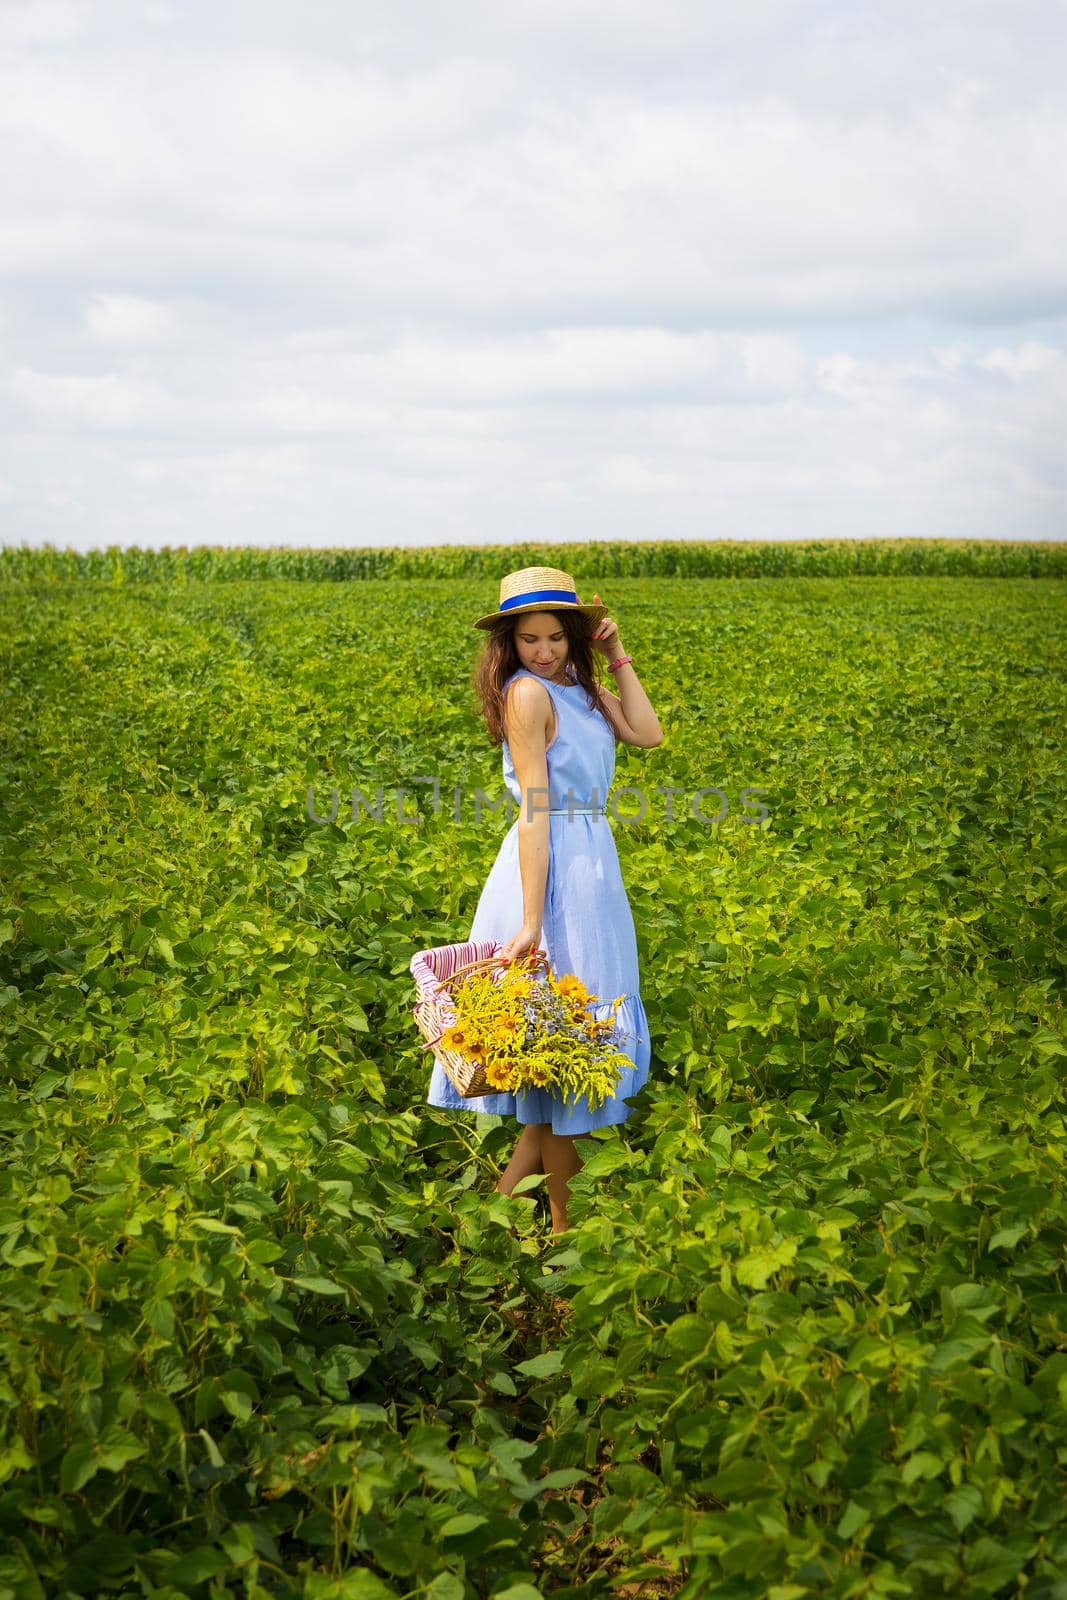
[[621, 662]]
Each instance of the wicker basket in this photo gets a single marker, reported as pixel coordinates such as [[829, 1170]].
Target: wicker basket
[[434, 972]]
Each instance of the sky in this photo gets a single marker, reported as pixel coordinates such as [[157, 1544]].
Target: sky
[[362, 273]]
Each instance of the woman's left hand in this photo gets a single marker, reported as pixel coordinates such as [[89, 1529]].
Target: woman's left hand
[[605, 636]]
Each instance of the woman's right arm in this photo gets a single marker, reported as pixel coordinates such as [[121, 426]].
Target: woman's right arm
[[526, 723]]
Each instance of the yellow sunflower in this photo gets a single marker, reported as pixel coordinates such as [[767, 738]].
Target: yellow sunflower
[[498, 1075]]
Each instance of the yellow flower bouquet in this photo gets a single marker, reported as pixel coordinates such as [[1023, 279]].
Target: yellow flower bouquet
[[525, 1028]]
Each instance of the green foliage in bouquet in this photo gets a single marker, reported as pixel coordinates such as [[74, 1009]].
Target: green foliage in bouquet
[[531, 1029]]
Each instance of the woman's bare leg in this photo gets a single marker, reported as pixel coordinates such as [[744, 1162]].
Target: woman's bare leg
[[560, 1160], [525, 1158]]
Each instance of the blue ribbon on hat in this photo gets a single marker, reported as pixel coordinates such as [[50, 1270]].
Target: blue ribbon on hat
[[539, 594]]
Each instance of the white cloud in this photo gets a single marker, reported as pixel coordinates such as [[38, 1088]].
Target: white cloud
[[64, 505], [567, 365], [1024, 362], [632, 475], [306, 116], [241, 474], [617, 270], [85, 138], [35, 22], [127, 319], [96, 402], [298, 409], [442, 192]]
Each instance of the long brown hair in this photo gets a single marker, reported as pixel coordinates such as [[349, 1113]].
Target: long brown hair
[[500, 659]]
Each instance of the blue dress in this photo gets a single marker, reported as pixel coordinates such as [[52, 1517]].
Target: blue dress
[[587, 927]]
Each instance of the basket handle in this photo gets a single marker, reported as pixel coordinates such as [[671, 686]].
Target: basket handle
[[486, 961]]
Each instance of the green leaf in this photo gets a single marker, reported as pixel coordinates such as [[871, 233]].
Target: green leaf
[[465, 1522], [533, 1180], [923, 1464], [159, 1314], [353, 1585], [542, 1366], [117, 1447], [197, 1566], [855, 1517], [79, 1464], [755, 1268], [963, 1505], [1007, 1238], [237, 1403], [162, 1409], [562, 1478], [688, 1335], [263, 1251], [47, 1083], [446, 1586]]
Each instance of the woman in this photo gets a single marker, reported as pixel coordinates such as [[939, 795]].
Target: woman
[[557, 870]]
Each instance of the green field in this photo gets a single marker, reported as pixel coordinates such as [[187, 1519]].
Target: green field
[[267, 1329]]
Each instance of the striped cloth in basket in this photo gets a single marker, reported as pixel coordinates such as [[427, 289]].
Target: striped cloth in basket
[[434, 1010]]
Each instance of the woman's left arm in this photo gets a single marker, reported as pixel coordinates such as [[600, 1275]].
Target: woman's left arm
[[636, 706]]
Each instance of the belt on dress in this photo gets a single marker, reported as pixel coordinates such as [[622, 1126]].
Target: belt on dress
[[567, 811]]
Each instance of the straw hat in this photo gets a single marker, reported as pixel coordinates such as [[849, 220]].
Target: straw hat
[[538, 589]]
